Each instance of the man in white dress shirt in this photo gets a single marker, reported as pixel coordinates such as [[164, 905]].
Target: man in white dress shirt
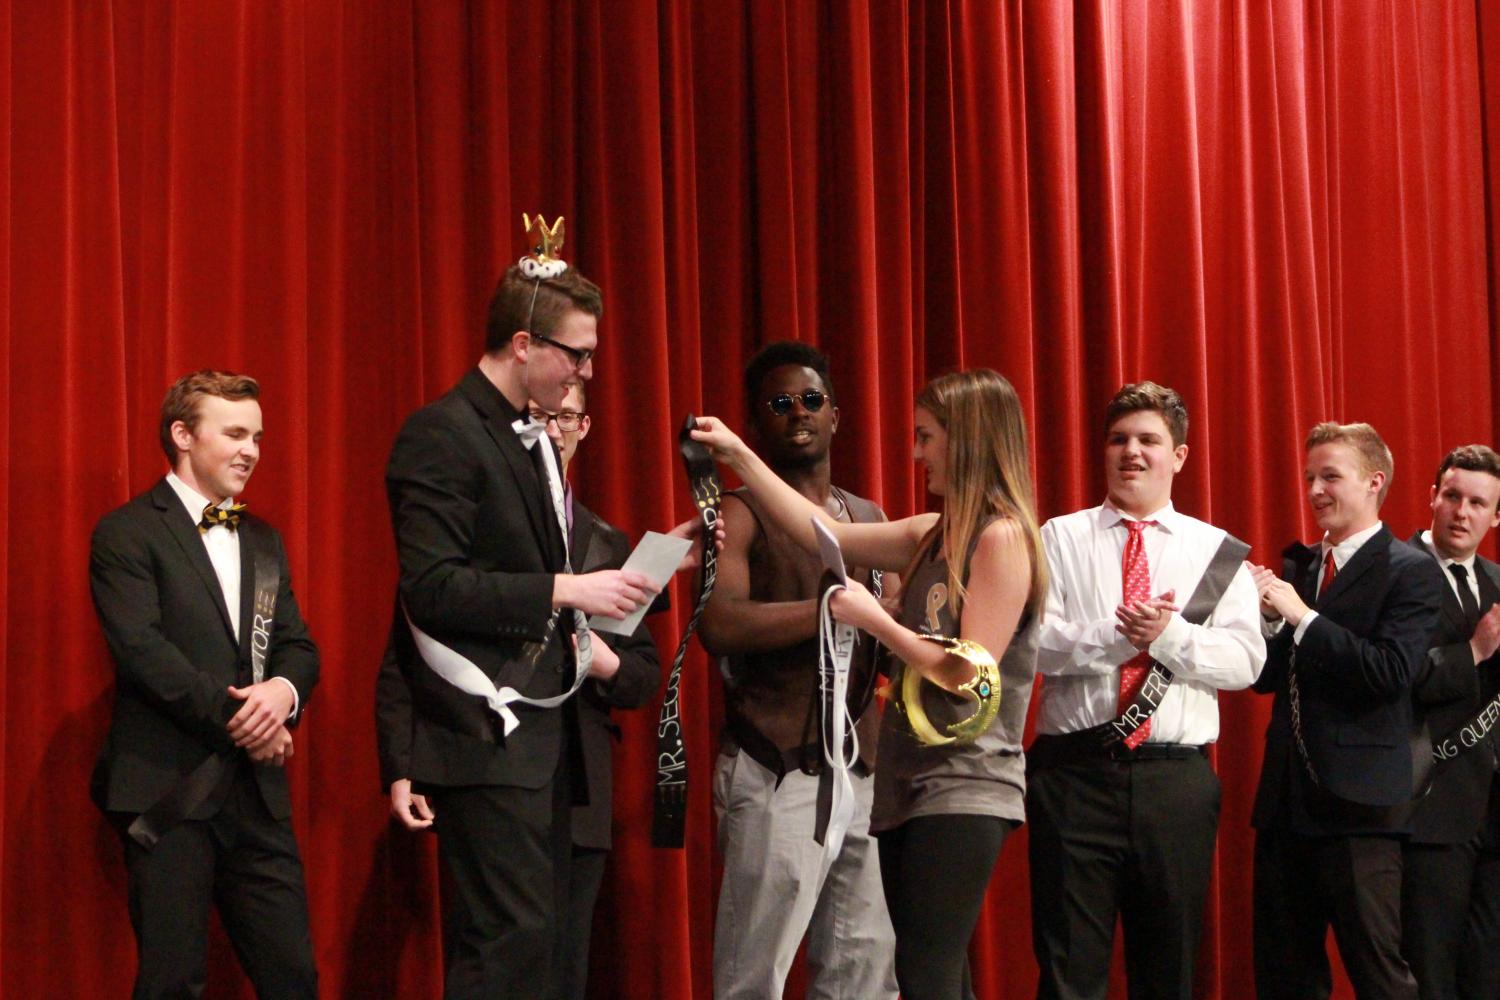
[[1123, 816]]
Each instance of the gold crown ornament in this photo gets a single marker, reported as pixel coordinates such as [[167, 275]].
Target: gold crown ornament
[[543, 260]]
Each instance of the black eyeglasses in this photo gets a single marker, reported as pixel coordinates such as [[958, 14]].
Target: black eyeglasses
[[579, 356], [812, 401], [567, 421]]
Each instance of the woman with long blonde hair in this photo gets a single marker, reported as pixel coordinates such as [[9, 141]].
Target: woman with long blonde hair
[[949, 775]]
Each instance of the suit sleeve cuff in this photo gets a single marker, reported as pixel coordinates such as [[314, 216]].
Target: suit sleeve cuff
[[1303, 626], [296, 698]]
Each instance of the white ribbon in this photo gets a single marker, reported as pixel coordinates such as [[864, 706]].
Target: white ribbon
[[530, 432], [836, 644], [462, 672]]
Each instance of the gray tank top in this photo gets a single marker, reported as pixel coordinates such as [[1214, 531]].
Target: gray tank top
[[986, 777]]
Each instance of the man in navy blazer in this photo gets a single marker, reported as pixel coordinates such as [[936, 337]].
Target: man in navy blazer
[[1450, 899], [213, 668], [1350, 621]]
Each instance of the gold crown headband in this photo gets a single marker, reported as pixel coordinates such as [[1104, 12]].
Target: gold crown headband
[[542, 261]]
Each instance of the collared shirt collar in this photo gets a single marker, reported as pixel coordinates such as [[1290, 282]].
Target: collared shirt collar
[[1443, 560], [1343, 551], [1166, 517], [194, 501]]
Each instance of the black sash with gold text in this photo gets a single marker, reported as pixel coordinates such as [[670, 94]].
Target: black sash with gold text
[[669, 817]]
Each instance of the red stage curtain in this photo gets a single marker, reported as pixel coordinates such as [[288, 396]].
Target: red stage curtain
[[1281, 209]]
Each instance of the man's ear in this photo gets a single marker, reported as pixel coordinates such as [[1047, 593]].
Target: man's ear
[[583, 426], [182, 437], [834, 427], [520, 344]]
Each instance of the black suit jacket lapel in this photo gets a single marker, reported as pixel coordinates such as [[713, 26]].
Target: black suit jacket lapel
[[1452, 610], [248, 538], [580, 537], [1375, 551], [497, 424], [1489, 584], [184, 531]]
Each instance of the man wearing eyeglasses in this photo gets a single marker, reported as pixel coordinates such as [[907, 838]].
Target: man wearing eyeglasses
[[626, 672], [763, 619], [485, 581]]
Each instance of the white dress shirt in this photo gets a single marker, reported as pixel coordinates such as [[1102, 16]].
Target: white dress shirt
[[1080, 651], [1467, 564], [223, 548]]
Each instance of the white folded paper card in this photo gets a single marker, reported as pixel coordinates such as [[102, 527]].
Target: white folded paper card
[[656, 557], [828, 548]]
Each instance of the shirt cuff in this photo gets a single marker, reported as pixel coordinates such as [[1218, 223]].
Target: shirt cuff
[[1307, 620], [1269, 628], [296, 700], [1174, 635]]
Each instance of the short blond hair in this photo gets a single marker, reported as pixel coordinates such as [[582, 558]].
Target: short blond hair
[[1373, 454]]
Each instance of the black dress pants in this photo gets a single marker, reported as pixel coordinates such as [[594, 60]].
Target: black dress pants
[[1133, 838], [246, 862], [1436, 882], [1303, 884]]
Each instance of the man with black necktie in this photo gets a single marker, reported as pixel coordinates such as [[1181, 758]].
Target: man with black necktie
[[477, 505], [1451, 864], [1350, 621], [213, 669]]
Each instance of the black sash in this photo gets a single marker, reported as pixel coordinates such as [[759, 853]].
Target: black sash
[[1470, 735], [1206, 596], [200, 783], [669, 817]]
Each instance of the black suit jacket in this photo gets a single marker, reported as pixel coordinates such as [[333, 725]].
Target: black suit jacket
[[1355, 668], [1450, 688], [478, 545], [595, 545], [164, 617]]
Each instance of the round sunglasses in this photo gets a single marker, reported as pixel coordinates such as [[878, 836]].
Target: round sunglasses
[[812, 401]]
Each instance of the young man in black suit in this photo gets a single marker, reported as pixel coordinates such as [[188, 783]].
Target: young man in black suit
[[1351, 619], [633, 669], [213, 667], [477, 504], [1451, 865]]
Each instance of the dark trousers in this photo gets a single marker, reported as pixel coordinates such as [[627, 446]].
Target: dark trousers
[[508, 853], [247, 863], [1305, 883], [935, 870], [571, 966], [1133, 838], [1436, 881], [1479, 965]]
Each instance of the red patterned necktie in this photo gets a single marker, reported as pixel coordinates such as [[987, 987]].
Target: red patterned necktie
[[1136, 573], [1329, 572]]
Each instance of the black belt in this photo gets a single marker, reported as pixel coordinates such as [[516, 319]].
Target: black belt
[[1092, 746]]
